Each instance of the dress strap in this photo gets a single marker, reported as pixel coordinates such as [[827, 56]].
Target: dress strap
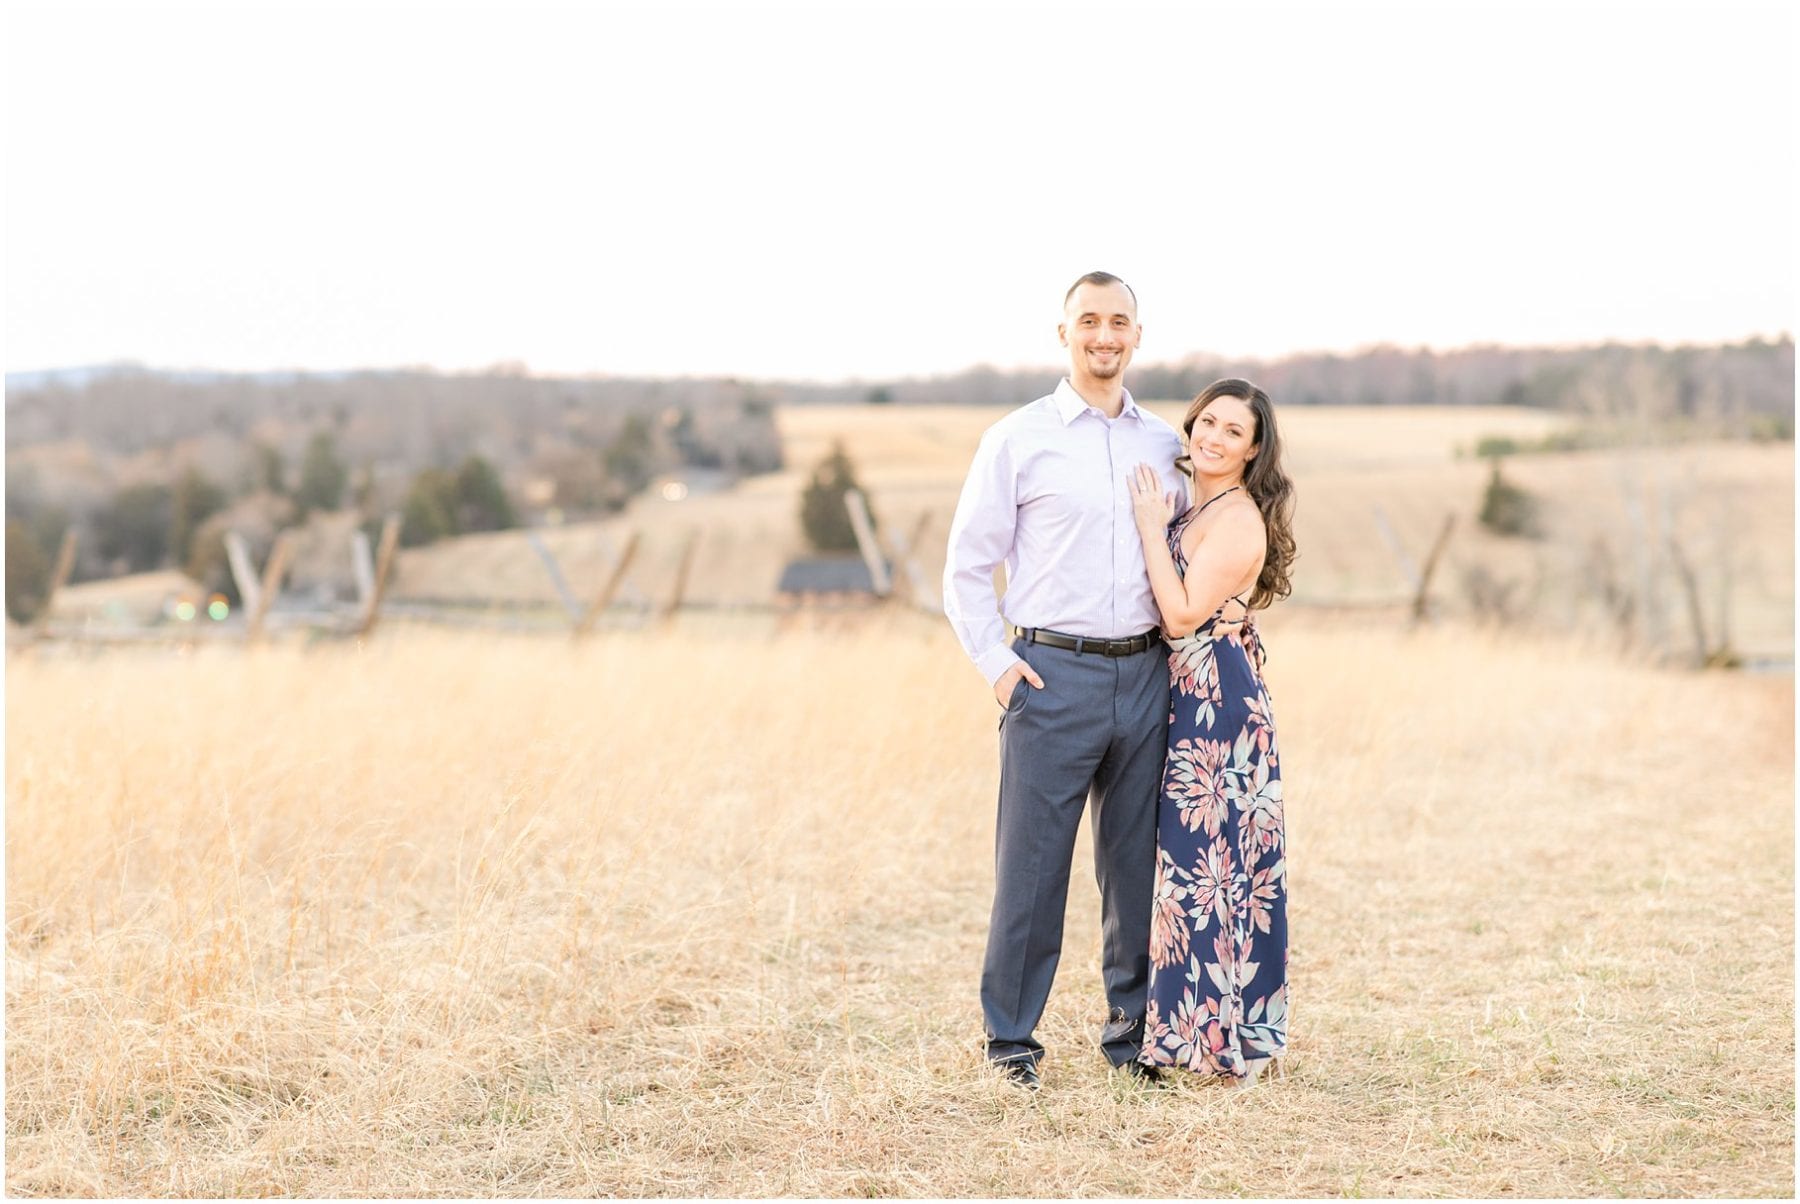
[[1215, 497], [1239, 599]]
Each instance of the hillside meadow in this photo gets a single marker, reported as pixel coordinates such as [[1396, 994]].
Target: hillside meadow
[[699, 910], [911, 461], [1375, 484]]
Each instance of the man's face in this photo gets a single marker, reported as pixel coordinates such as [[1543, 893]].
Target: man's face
[[1100, 329]]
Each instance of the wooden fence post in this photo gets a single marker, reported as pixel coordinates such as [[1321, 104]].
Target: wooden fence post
[[257, 596], [59, 577], [864, 527], [906, 564], [557, 579], [1408, 569], [384, 563], [585, 622], [1690, 590], [682, 568], [237, 557], [362, 567], [1431, 563]]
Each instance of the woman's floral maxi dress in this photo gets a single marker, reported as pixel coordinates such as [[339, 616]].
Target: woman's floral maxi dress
[[1218, 931]]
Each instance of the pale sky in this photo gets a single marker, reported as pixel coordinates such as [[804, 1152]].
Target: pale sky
[[861, 191]]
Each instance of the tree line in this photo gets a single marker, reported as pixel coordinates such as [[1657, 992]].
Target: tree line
[[1752, 380], [152, 469]]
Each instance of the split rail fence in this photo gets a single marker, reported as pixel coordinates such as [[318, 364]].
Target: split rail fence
[[894, 572], [897, 581]]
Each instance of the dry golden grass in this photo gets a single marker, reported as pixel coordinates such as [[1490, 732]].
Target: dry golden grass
[[912, 459], [701, 912], [1732, 505]]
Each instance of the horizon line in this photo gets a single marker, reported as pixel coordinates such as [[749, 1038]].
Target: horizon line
[[520, 368]]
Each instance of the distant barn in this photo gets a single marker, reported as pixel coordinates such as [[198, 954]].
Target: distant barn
[[827, 580]]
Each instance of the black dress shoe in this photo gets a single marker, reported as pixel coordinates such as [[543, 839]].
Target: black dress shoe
[[1022, 1074], [1137, 1070]]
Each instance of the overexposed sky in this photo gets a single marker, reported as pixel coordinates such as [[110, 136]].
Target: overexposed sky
[[850, 190]]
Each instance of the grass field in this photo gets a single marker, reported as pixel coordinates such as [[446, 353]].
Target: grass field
[[911, 460], [701, 912], [1356, 467], [1374, 486]]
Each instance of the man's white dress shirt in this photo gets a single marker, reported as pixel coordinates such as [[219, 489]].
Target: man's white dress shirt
[[1048, 495]]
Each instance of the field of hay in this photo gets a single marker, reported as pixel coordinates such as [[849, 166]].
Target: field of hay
[[1357, 469], [911, 461], [700, 911], [1374, 487], [699, 908]]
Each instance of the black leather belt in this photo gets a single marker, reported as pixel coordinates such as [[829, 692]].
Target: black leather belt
[[1078, 644]]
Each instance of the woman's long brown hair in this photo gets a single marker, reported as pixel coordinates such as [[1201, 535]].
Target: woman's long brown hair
[[1264, 480]]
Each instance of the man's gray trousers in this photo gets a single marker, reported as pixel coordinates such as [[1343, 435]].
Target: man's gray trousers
[[1096, 734]]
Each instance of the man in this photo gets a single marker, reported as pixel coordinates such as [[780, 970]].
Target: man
[[1079, 667]]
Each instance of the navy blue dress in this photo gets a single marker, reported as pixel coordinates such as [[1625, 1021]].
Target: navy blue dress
[[1218, 929]]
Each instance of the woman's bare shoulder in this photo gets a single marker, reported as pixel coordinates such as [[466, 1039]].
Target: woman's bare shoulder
[[1238, 514], [1233, 524], [1250, 513]]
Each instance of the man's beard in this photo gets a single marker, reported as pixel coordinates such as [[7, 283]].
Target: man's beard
[[1106, 371]]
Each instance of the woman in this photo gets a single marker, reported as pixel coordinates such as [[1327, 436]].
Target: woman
[[1218, 936]]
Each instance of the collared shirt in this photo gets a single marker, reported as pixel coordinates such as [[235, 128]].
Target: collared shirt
[[1048, 495]]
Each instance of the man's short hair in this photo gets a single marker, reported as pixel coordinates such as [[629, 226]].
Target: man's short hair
[[1101, 278]]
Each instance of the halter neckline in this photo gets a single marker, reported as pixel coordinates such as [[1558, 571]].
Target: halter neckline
[[1215, 497]]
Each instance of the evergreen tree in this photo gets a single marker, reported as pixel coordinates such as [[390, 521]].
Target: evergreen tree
[[629, 459], [271, 470], [134, 527], [823, 515], [1505, 508], [480, 499], [193, 500], [429, 512], [322, 475]]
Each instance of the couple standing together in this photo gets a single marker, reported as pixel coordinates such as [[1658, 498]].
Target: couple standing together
[[1130, 671]]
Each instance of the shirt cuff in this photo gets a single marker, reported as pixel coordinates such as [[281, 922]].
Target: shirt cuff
[[996, 661]]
